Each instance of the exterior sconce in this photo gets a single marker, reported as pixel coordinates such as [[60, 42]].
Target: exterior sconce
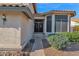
[[4, 18]]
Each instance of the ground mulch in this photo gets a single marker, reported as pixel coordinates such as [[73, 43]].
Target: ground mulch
[[54, 52]]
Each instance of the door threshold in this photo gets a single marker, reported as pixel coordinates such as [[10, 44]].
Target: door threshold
[[39, 32]]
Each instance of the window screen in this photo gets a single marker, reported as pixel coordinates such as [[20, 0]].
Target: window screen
[[49, 23], [61, 23]]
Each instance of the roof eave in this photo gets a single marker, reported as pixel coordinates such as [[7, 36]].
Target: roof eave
[[25, 9]]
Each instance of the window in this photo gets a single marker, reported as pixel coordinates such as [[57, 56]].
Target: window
[[49, 23], [61, 23]]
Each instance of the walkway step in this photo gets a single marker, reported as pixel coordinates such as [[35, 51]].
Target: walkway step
[[37, 49], [39, 35], [37, 53]]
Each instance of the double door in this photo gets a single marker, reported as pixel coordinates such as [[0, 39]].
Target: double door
[[38, 26]]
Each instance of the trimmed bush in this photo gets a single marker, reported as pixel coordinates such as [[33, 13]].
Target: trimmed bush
[[72, 36], [58, 41]]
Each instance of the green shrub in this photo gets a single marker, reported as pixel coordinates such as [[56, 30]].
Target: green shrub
[[72, 36], [58, 41]]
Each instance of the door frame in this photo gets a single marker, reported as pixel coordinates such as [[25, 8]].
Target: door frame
[[38, 22]]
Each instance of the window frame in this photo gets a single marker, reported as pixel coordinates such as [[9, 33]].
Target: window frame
[[46, 24], [61, 21]]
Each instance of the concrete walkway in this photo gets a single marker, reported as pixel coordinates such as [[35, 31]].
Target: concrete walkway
[[37, 49]]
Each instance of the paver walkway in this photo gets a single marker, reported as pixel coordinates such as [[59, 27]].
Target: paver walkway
[[37, 49]]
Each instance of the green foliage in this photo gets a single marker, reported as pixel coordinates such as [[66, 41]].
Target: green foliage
[[58, 41], [62, 39], [72, 36]]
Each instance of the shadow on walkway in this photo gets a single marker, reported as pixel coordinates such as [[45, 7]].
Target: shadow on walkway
[[72, 47], [36, 47], [28, 47], [45, 43]]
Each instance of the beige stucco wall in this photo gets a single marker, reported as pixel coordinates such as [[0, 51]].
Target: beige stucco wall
[[17, 30], [27, 29], [10, 31]]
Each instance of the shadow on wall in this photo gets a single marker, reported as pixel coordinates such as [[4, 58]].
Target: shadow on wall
[[8, 24], [11, 19]]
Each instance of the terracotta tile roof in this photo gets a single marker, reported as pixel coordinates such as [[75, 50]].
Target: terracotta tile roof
[[75, 19], [17, 5], [12, 5]]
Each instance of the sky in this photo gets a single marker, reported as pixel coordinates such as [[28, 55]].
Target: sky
[[45, 7]]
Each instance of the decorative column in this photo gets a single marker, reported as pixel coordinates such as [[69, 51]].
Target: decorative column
[[44, 26], [68, 25], [53, 23]]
